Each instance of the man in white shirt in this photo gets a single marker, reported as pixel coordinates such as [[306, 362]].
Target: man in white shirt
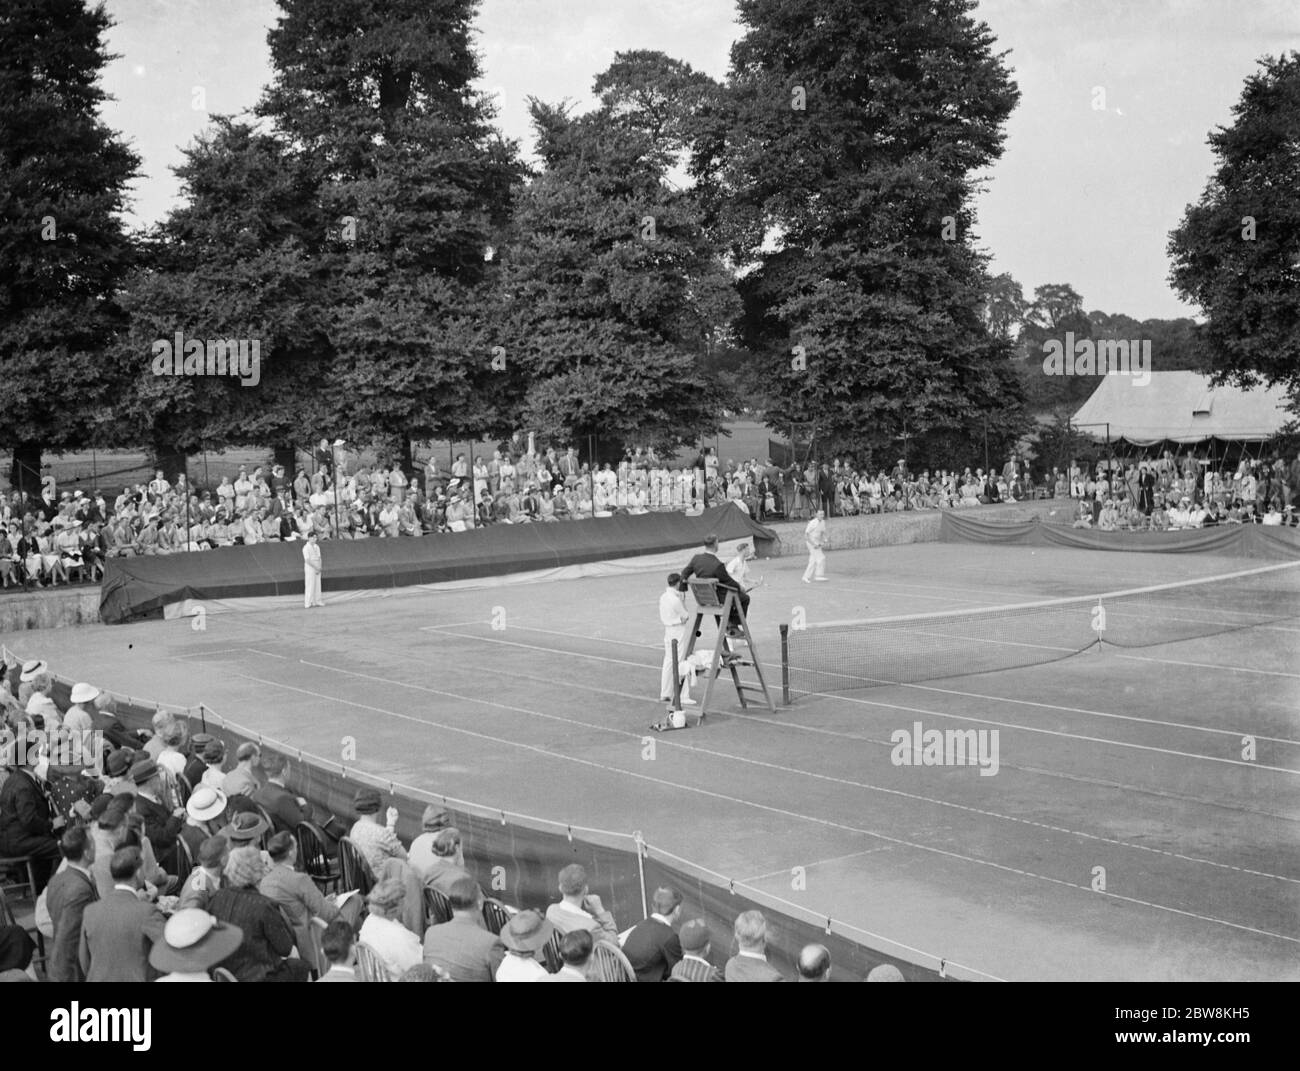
[[814, 537], [673, 616], [580, 908], [311, 572]]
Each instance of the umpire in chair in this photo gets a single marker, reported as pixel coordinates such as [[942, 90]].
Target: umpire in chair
[[708, 566]]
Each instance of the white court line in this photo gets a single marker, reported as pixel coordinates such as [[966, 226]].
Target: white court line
[[826, 822], [825, 777], [785, 871], [929, 713], [1211, 665]]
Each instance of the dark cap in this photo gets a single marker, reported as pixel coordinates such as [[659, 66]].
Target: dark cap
[[366, 801]]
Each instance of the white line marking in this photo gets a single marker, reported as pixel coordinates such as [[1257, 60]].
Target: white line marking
[[1212, 665]]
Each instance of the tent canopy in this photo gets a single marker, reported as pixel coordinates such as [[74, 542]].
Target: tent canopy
[[1181, 407]]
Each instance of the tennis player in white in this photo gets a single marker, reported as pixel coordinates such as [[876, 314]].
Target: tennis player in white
[[814, 537], [311, 572]]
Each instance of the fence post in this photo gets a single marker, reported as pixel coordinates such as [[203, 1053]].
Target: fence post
[[640, 869]]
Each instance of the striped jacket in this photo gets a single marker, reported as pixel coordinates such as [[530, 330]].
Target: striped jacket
[[693, 969]]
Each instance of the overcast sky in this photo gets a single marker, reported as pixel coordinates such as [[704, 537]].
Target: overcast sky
[[1080, 196]]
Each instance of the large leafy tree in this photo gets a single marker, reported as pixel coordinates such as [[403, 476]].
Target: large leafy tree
[[63, 249], [1236, 254], [840, 170], [349, 230], [612, 294]]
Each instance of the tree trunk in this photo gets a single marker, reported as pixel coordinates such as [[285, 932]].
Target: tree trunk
[[405, 460], [25, 472], [171, 460], [288, 457]]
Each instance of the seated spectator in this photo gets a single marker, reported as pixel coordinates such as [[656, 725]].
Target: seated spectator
[[118, 931], [1108, 521], [579, 908], [524, 936], [175, 737], [750, 963], [263, 956], [245, 828], [463, 947], [208, 875], [16, 952], [1083, 519], [214, 755], [70, 891], [375, 840], [193, 942], [421, 856], [162, 824], [78, 719], [28, 825], [886, 972], [338, 945], [652, 947], [575, 956], [162, 722], [424, 972], [694, 965], [448, 861], [814, 964], [41, 705], [203, 813], [242, 780], [298, 895], [286, 809], [396, 946]]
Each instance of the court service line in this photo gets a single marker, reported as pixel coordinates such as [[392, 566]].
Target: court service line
[[784, 812], [818, 776], [1211, 665], [931, 713], [785, 871]]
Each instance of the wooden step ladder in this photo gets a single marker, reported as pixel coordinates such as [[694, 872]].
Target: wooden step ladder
[[725, 656]]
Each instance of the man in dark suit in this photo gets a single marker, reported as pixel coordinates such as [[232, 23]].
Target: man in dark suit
[[70, 892], [463, 947], [118, 932], [162, 825], [826, 490], [286, 809], [652, 947], [28, 826], [708, 566], [750, 963]]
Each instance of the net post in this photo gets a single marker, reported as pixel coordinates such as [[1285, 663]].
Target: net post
[[677, 679], [785, 665]]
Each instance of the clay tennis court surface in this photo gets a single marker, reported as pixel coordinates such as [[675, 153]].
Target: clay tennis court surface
[[1122, 767]]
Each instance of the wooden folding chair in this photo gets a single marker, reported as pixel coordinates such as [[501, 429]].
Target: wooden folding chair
[[355, 872], [369, 966]]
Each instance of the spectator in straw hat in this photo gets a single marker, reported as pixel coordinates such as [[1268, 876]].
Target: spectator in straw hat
[[263, 956], [31, 669], [193, 942], [814, 964], [396, 946], [208, 876], [78, 718], [203, 813], [245, 828], [524, 936], [750, 963], [694, 965], [886, 972]]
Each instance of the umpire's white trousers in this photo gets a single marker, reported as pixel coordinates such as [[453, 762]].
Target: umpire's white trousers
[[312, 596], [816, 562], [670, 667]]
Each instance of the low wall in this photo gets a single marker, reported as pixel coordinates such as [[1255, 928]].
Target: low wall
[[895, 529], [49, 609]]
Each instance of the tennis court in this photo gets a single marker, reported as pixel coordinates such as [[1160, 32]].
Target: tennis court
[[1130, 831]]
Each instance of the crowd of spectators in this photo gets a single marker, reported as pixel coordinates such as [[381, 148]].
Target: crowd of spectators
[[158, 855], [49, 541]]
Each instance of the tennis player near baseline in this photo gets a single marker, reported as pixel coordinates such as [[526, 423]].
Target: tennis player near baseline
[[814, 537]]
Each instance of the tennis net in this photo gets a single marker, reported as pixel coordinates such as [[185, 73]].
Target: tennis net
[[838, 656]]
